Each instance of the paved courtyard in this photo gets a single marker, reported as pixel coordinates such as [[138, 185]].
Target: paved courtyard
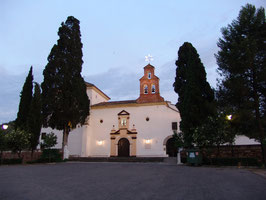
[[128, 181]]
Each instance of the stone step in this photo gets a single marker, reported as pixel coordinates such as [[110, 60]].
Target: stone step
[[171, 160], [117, 159]]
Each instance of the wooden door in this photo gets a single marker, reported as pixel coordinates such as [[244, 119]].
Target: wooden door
[[123, 148]]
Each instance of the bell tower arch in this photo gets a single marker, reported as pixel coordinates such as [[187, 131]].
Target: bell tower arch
[[149, 86]]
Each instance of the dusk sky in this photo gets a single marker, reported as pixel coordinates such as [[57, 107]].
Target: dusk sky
[[116, 37]]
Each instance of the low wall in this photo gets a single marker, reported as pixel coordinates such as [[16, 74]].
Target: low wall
[[231, 151], [25, 155]]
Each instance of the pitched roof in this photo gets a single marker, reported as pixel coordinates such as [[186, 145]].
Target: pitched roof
[[90, 85], [123, 112], [149, 66], [115, 103]]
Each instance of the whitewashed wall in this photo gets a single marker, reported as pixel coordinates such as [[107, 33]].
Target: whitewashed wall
[[95, 97], [244, 140], [74, 139], [156, 129]]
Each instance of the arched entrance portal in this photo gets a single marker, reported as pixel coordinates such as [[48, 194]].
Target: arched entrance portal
[[171, 150], [123, 148]]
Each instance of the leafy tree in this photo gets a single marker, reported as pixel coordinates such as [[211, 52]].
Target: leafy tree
[[18, 140], [241, 61], [34, 120], [25, 101], [3, 137], [195, 96], [215, 131], [49, 141], [65, 101], [179, 139], [3, 142]]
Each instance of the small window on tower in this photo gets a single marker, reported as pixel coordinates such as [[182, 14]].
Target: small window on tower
[[149, 75], [153, 89], [145, 89]]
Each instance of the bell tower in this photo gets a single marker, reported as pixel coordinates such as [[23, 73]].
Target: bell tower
[[149, 86]]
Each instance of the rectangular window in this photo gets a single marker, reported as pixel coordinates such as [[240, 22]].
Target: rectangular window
[[174, 126]]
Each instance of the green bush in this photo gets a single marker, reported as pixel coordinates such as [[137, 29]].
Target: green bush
[[50, 155], [11, 161]]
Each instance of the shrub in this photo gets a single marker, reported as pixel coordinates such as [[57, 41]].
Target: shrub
[[51, 155]]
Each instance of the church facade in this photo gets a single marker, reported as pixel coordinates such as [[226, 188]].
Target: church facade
[[132, 128]]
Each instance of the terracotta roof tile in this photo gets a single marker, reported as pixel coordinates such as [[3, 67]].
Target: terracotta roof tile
[[89, 84], [115, 103]]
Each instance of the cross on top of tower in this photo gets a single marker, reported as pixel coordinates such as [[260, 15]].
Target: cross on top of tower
[[149, 58]]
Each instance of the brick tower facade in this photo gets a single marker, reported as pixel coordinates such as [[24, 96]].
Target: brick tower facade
[[149, 86]]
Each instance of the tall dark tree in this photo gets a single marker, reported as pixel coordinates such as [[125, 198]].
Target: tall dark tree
[[34, 121], [242, 66], [65, 101], [25, 101], [195, 96]]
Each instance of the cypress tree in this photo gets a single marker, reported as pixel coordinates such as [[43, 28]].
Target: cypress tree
[[195, 96], [34, 121], [241, 63], [25, 101], [65, 101]]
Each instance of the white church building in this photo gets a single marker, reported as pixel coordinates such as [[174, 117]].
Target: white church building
[[141, 127], [132, 128]]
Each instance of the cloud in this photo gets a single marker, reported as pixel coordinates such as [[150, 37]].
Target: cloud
[[10, 86], [120, 84], [166, 73], [117, 83]]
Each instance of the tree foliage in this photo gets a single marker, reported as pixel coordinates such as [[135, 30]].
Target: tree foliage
[[179, 139], [18, 140], [3, 141], [25, 101], [34, 120], [195, 96], [49, 141], [4, 145], [216, 130], [65, 101], [242, 66]]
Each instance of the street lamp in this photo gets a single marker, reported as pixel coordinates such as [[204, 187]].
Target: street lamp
[[229, 117], [4, 126]]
